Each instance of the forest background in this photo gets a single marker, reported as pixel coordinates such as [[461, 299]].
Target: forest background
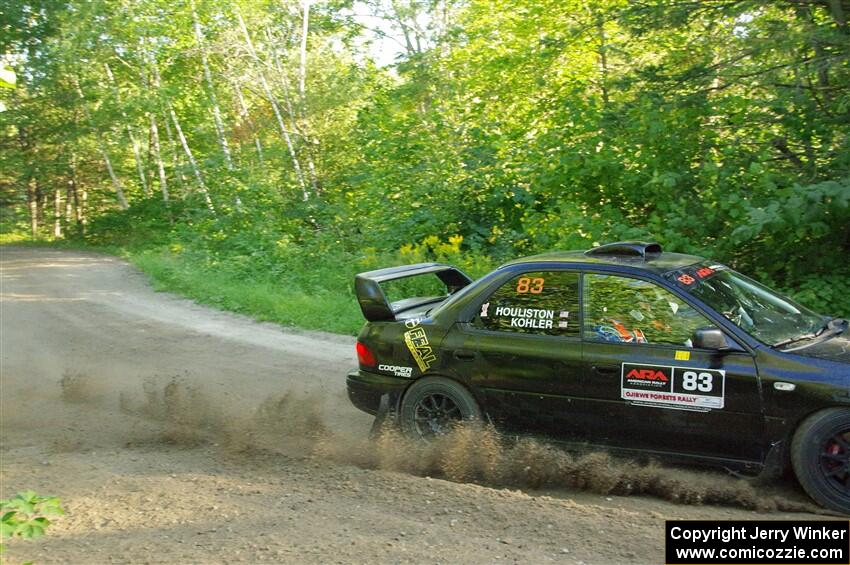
[[255, 154]]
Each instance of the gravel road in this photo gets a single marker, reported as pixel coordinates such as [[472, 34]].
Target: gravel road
[[174, 433]]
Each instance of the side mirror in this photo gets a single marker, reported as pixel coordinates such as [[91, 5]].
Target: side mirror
[[711, 338]]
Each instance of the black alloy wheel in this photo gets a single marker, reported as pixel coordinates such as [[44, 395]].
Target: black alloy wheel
[[820, 454], [435, 414], [834, 461], [433, 406]]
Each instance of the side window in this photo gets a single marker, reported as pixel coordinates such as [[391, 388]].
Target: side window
[[544, 302], [628, 310]]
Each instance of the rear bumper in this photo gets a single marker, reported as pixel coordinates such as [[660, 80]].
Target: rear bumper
[[365, 389]]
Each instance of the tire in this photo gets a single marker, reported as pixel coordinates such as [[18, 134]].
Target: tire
[[432, 406], [820, 455]]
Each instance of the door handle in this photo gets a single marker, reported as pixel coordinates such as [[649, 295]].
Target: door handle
[[464, 355], [606, 370]]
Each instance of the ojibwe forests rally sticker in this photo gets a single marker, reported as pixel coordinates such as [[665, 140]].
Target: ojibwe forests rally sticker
[[673, 387]]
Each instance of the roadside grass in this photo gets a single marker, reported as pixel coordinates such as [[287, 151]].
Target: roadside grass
[[254, 294], [271, 278], [79, 245], [10, 238], [311, 287], [259, 297]]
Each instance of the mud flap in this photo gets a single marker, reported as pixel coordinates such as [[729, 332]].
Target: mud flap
[[773, 464], [386, 414]]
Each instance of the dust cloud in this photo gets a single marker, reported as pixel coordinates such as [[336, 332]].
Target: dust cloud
[[299, 423], [481, 455]]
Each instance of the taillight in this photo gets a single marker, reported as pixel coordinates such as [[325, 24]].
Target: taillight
[[365, 356]]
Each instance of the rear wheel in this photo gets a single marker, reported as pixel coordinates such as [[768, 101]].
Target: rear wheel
[[434, 405], [820, 454]]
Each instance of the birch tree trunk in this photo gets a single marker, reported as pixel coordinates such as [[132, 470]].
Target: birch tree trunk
[[175, 155], [116, 182], [84, 208], [23, 141], [406, 30], [79, 212], [293, 118], [302, 75], [40, 202], [157, 153], [69, 204], [219, 124], [302, 93], [57, 212], [243, 114], [133, 141], [603, 59], [275, 108], [198, 176], [282, 79], [32, 203]]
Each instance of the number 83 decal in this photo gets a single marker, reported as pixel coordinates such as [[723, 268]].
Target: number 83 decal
[[703, 382], [527, 284], [707, 382]]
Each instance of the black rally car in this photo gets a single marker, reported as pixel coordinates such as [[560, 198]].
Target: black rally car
[[622, 346]]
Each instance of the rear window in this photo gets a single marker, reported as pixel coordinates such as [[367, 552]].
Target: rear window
[[541, 302]]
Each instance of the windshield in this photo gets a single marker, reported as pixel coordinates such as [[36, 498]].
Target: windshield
[[761, 312]]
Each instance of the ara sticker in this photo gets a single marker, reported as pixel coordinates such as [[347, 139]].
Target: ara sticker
[[417, 343], [673, 387]]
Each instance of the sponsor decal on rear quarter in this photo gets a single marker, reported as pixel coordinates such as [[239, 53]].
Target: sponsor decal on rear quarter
[[418, 344], [397, 370]]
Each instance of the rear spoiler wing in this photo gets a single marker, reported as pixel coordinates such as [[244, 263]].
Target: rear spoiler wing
[[373, 301]]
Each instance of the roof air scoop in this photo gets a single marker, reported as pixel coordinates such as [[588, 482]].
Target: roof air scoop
[[626, 249]]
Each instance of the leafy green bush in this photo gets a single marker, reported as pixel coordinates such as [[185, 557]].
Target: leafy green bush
[[25, 515], [285, 266], [825, 293]]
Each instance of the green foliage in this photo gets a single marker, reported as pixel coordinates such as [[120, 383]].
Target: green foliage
[[8, 79], [233, 286], [308, 286], [506, 127], [825, 293], [25, 515]]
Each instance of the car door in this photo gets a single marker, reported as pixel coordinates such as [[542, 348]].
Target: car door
[[654, 390], [522, 345]]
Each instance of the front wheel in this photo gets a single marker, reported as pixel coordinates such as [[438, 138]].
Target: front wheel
[[820, 454], [432, 406]]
